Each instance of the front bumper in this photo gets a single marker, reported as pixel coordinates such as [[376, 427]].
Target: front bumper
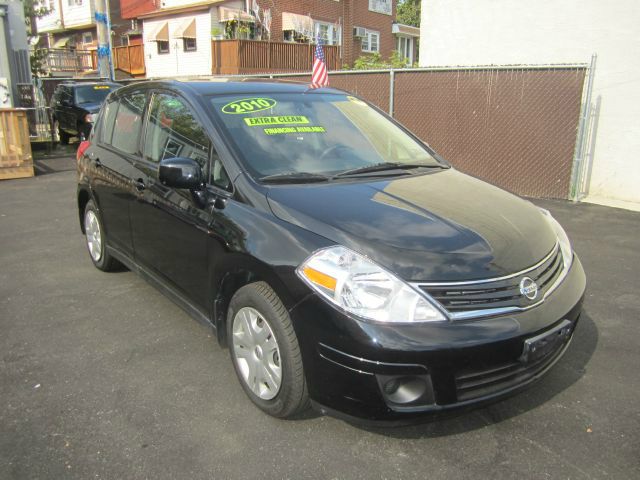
[[352, 367]]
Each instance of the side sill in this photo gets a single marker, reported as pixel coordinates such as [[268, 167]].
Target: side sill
[[177, 298]]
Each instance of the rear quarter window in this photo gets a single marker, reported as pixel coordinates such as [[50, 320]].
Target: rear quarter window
[[108, 121], [128, 123]]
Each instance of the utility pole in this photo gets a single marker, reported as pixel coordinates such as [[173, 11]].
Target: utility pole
[[104, 40], [111, 69]]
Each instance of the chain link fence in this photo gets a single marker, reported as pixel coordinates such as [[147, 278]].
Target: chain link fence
[[518, 127]]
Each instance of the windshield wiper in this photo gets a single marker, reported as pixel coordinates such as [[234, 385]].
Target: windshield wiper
[[294, 177], [382, 167]]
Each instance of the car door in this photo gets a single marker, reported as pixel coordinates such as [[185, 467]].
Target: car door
[[65, 113], [117, 147], [170, 225]]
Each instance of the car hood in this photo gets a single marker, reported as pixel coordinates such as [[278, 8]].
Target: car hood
[[443, 226], [91, 107]]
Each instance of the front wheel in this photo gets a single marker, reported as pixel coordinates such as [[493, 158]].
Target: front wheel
[[265, 351], [63, 137]]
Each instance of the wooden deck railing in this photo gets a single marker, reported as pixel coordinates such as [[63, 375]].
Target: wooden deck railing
[[231, 57], [70, 61], [129, 59]]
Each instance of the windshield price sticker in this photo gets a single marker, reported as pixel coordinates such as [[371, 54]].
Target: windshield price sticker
[[283, 130], [248, 105], [282, 120]]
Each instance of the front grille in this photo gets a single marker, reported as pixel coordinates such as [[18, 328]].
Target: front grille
[[477, 383], [468, 299]]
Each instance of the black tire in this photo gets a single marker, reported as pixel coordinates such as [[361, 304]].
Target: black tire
[[63, 136], [104, 261], [292, 397]]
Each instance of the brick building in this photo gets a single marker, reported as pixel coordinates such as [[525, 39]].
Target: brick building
[[354, 27], [374, 17]]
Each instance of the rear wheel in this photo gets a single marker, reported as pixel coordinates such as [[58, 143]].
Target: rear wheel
[[96, 240], [265, 351]]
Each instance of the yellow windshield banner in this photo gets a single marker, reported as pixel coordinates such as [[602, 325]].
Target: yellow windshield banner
[[101, 87], [283, 130], [281, 120]]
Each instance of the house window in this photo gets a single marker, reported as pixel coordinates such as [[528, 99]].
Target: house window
[[189, 44], [404, 46], [163, 46], [124, 40], [380, 6], [87, 37], [371, 41], [329, 33], [72, 3]]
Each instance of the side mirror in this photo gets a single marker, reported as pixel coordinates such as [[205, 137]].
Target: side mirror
[[180, 172], [65, 103]]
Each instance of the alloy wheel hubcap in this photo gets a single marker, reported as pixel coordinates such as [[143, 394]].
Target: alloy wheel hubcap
[[94, 238], [257, 353]]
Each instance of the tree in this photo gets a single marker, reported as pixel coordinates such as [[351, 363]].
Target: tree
[[408, 12], [374, 61], [34, 9]]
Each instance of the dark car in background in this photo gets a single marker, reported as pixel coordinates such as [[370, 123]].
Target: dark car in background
[[341, 260], [74, 106]]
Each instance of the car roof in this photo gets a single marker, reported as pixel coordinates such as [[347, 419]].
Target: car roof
[[223, 86], [85, 84]]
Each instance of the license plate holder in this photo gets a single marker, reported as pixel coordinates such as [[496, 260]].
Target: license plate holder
[[542, 345]]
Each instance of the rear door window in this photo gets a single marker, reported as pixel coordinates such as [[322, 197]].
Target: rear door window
[[128, 123]]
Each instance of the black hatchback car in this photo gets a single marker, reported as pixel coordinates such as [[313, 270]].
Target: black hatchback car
[[74, 107], [341, 260]]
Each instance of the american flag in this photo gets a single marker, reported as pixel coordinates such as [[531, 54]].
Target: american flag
[[319, 76]]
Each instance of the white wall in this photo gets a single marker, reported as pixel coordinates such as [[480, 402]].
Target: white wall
[[77, 15], [50, 22], [482, 32], [177, 62], [74, 16]]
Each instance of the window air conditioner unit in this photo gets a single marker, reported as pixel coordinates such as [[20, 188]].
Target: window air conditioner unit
[[359, 32]]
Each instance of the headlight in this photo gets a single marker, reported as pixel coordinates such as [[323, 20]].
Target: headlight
[[359, 286], [91, 117], [563, 239]]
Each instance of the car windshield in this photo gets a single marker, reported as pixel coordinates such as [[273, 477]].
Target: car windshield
[[93, 93], [314, 133]]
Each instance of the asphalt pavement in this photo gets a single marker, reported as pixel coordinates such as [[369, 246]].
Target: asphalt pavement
[[101, 376]]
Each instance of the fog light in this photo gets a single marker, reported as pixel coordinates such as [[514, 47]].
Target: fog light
[[407, 389]]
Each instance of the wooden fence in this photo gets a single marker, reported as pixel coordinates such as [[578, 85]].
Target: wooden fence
[[129, 59], [232, 57], [16, 160]]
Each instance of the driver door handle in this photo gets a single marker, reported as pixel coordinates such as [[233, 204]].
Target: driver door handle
[[139, 184]]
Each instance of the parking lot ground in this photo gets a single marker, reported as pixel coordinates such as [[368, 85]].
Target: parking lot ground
[[101, 376]]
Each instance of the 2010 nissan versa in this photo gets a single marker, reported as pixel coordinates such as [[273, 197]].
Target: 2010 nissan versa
[[343, 263]]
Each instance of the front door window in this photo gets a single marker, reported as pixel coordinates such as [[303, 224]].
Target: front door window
[[173, 131]]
